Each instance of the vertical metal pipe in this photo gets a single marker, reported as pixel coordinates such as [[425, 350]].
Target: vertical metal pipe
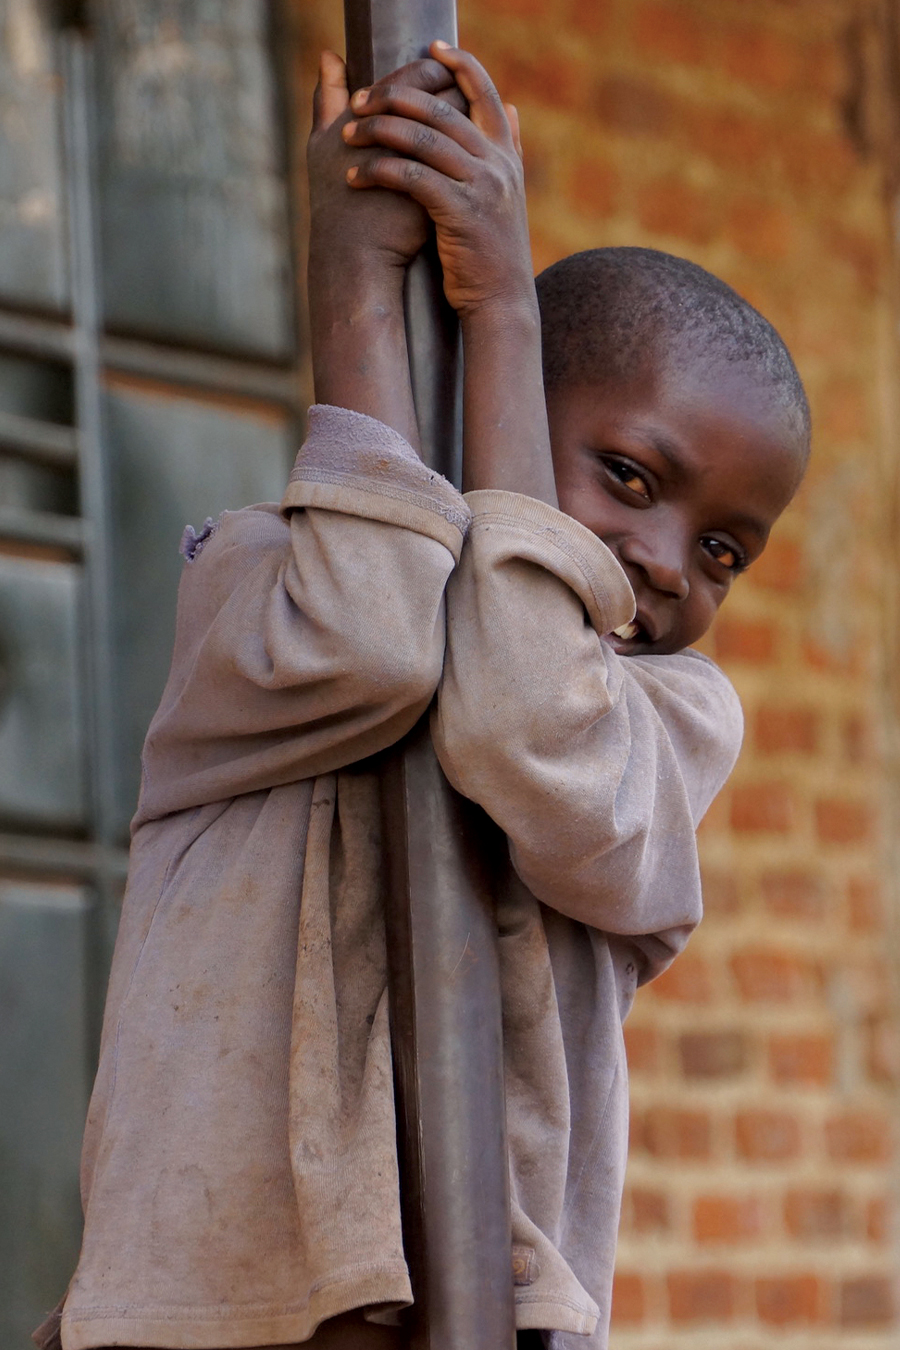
[[442, 941], [94, 489]]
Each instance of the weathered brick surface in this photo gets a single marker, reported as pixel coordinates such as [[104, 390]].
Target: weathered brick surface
[[764, 1065]]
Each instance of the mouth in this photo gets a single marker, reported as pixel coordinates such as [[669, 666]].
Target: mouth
[[633, 636]]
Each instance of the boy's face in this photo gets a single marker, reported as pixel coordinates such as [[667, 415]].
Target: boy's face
[[682, 475]]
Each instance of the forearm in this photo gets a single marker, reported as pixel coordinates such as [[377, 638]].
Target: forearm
[[506, 440], [359, 352]]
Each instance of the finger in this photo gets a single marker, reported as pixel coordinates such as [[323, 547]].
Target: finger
[[430, 189], [400, 101], [485, 106], [426, 74], [512, 117], [412, 139], [331, 97]]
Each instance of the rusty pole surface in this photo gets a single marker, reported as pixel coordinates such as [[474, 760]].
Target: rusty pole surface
[[441, 931]]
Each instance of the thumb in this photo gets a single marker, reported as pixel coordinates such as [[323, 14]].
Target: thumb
[[512, 117], [331, 97]]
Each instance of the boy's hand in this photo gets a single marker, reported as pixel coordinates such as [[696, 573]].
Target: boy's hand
[[465, 171], [385, 224]]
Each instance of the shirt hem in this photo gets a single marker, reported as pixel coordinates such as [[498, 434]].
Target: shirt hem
[[228, 1327]]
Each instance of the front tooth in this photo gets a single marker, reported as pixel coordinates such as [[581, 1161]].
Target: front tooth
[[627, 631]]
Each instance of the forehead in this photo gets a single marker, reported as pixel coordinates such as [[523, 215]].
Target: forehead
[[718, 429]]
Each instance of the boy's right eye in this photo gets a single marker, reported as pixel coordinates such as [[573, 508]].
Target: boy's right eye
[[628, 475]]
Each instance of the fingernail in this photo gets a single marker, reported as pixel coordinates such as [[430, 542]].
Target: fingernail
[[349, 130], [439, 42], [351, 173], [360, 98]]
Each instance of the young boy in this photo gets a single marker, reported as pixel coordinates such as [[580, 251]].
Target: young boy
[[240, 1176]]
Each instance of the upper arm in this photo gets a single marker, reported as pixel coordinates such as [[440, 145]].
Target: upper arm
[[597, 768], [308, 638]]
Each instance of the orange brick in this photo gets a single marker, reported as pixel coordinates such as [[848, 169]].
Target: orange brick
[[672, 207], [686, 981], [832, 660], [764, 57], [545, 79], [761, 230], [671, 1133], [856, 735], [747, 640], [883, 1049], [839, 821], [767, 1135], [649, 1210], [794, 729], [632, 107], [593, 188], [627, 1299], [795, 895], [768, 976], [865, 908], [701, 1295], [816, 161], [670, 32], [860, 253], [521, 9], [712, 1054], [878, 1220], [722, 1218], [590, 16], [788, 1300], [727, 138], [780, 568], [868, 1301], [801, 1059], [858, 1136], [811, 1214], [721, 892], [763, 807], [842, 410], [642, 1048]]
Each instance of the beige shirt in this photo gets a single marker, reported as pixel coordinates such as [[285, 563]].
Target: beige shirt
[[240, 1175]]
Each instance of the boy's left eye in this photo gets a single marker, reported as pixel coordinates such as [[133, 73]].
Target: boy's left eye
[[729, 555], [628, 476]]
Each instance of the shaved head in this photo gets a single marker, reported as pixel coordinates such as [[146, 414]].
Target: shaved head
[[614, 313]]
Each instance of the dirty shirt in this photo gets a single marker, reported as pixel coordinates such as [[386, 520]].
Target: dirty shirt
[[240, 1177]]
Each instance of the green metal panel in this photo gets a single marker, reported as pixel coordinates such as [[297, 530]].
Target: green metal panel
[[33, 268], [194, 221], [165, 258], [175, 461], [43, 997], [41, 734]]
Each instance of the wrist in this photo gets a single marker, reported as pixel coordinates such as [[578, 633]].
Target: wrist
[[514, 313]]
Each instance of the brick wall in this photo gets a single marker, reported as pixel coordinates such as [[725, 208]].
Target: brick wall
[[764, 1066]]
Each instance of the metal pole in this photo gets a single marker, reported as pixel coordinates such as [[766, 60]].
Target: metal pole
[[94, 488], [442, 940]]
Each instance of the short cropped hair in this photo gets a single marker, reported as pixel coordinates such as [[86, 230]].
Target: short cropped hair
[[606, 311]]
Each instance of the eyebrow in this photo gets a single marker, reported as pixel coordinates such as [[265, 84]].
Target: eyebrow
[[750, 523]]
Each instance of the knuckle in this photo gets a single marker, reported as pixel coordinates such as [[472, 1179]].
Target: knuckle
[[412, 171], [424, 138]]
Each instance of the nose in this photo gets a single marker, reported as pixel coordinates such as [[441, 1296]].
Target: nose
[[662, 557]]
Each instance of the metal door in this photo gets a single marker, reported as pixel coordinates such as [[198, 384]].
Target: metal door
[[148, 378]]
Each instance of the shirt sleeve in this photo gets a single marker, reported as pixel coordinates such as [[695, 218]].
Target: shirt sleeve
[[312, 635], [597, 767]]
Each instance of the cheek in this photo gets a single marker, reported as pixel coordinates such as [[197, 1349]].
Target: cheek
[[581, 497], [699, 611]]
